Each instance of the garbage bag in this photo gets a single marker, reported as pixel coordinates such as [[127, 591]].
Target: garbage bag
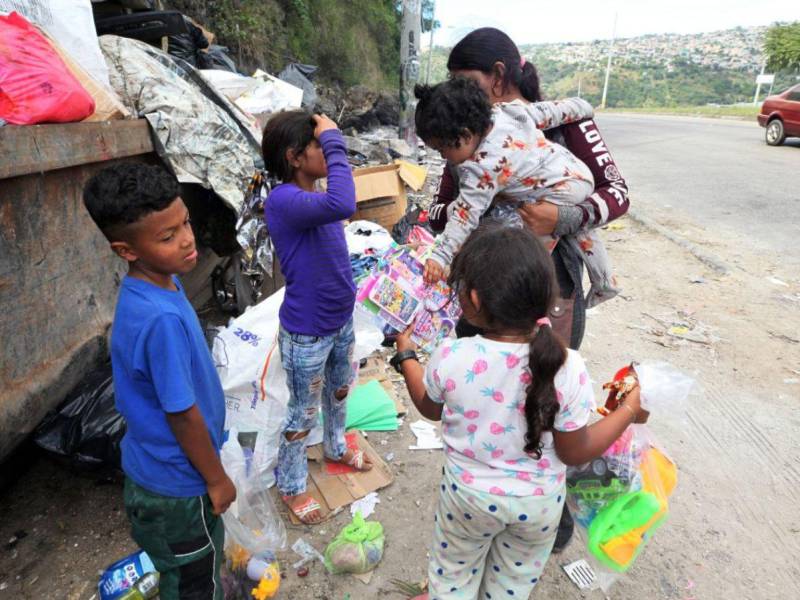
[[71, 24], [87, 429], [251, 521], [300, 75], [357, 549], [187, 46], [216, 57], [35, 84]]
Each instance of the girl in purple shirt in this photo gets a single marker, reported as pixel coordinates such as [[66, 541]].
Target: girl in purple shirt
[[316, 335]]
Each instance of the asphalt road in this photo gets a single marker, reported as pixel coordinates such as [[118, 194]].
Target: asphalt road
[[709, 178]]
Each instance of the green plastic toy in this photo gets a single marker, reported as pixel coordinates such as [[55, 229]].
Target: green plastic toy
[[617, 532]]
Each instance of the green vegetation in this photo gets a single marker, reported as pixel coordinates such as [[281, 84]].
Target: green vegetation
[[782, 46], [354, 42], [683, 84]]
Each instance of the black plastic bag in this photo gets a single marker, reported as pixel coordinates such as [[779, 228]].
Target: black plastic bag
[[217, 57], [87, 429]]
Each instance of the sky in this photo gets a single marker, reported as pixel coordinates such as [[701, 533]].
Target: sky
[[536, 21]]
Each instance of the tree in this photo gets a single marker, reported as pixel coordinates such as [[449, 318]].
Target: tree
[[782, 46]]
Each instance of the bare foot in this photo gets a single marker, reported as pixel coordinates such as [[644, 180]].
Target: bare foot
[[304, 508], [354, 458]]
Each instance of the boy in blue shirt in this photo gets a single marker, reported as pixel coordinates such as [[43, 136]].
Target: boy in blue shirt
[[165, 383]]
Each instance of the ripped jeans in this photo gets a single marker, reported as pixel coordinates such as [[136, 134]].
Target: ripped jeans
[[319, 373]]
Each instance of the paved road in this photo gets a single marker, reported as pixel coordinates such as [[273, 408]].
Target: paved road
[[717, 175]]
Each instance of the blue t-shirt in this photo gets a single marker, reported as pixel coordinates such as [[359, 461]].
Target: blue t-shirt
[[161, 364]]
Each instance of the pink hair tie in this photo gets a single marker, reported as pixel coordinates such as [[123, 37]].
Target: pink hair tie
[[521, 62], [544, 322]]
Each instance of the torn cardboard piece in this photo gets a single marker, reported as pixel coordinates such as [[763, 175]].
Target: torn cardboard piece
[[413, 175], [334, 492], [380, 195]]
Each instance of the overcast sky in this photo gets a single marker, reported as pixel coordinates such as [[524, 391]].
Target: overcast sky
[[536, 21]]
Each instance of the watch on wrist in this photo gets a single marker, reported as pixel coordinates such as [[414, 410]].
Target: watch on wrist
[[400, 357]]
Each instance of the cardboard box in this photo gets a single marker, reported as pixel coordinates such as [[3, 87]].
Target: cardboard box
[[380, 195]]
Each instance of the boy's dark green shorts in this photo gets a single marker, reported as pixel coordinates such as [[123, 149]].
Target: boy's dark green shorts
[[183, 539]]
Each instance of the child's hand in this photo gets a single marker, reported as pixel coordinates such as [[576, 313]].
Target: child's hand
[[323, 124], [403, 340], [633, 401], [433, 273], [222, 494]]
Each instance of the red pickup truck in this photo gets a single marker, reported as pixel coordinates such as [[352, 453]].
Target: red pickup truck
[[780, 114]]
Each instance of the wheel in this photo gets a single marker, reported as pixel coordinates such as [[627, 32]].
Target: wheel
[[775, 133]]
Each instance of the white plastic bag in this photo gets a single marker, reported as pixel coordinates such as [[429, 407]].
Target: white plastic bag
[[251, 521], [71, 24], [663, 387]]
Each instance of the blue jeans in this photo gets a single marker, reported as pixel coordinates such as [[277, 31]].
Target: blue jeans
[[319, 372]]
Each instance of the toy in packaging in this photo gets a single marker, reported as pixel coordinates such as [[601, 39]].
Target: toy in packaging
[[622, 497], [395, 294], [134, 576]]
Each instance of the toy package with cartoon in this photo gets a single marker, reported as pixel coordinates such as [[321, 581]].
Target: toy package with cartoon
[[621, 498], [395, 295]]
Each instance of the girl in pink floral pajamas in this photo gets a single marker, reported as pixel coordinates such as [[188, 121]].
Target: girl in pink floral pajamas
[[515, 407]]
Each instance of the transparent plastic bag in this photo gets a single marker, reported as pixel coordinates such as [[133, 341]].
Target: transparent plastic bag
[[621, 498], [357, 549], [664, 388], [251, 521]]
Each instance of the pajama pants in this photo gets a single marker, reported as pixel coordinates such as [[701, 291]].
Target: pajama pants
[[488, 546], [316, 368]]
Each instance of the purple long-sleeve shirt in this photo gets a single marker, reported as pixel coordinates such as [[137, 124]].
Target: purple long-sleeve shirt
[[306, 229]]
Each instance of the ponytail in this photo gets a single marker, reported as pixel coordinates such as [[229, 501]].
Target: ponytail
[[529, 83], [547, 356]]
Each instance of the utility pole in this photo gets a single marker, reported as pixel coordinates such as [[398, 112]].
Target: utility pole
[[608, 65], [410, 34], [430, 43]]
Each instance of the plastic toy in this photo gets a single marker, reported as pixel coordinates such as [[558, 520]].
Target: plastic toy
[[269, 584], [595, 482]]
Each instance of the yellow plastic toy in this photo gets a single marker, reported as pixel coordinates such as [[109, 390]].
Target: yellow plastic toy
[[269, 583]]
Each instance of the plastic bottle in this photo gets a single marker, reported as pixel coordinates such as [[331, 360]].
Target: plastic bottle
[[145, 588]]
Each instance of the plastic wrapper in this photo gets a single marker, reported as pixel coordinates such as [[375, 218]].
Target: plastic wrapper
[[251, 521], [35, 84], [357, 549], [622, 497]]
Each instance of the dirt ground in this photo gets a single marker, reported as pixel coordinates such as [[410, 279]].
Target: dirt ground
[[734, 527]]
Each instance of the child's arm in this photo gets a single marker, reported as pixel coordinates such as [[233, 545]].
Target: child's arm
[[478, 185], [190, 430], [548, 115], [311, 209], [166, 353], [414, 375], [589, 442]]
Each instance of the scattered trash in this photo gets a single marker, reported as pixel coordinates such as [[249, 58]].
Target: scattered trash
[[427, 436], [389, 456], [307, 553], [616, 226], [581, 574], [776, 281], [300, 75], [127, 577], [302, 572], [365, 505], [410, 590], [358, 547], [698, 280]]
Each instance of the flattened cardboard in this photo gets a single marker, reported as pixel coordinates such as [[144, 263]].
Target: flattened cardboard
[[334, 492]]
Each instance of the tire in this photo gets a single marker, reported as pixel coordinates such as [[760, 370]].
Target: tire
[[775, 134]]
